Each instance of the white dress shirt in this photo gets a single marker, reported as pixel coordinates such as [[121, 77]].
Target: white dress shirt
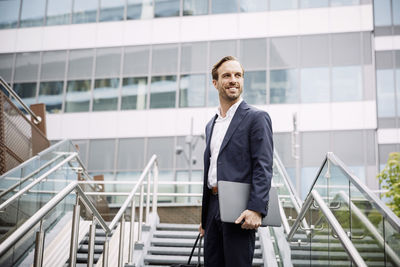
[[220, 127]]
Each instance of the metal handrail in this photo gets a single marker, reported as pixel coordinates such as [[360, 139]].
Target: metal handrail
[[370, 227], [383, 209], [380, 206], [331, 219], [36, 181], [11, 188], [36, 119], [41, 213]]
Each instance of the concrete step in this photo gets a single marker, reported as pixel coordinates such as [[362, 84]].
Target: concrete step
[[85, 249], [335, 263], [335, 247], [180, 234], [184, 251], [333, 255], [178, 242], [172, 259], [178, 227]]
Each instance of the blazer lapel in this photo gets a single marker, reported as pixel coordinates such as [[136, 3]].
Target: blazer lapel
[[237, 118], [209, 131]]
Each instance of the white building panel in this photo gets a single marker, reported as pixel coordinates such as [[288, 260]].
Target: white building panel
[[383, 43], [186, 29], [175, 122], [388, 136]]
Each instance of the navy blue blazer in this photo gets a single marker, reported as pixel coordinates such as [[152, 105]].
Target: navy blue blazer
[[246, 156]]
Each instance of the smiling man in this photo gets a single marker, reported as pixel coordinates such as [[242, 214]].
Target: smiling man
[[239, 149]]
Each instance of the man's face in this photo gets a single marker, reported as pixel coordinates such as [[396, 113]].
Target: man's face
[[230, 81]]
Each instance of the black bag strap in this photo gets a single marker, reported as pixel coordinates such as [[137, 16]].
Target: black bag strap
[[194, 247]]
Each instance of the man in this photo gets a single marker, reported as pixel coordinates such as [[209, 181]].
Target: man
[[239, 149]]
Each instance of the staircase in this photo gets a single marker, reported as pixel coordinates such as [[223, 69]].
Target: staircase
[[172, 244]]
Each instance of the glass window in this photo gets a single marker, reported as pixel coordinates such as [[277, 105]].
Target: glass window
[[283, 52], [9, 12], [197, 153], [111, 10], [384, 60], [130, 154], [382, 13], [213, 98], [78, 96], [51, 94], [396, 12], [193, 57], [385, 93], [53, 65], [220, 49], [314, 85], [136, 60], [283, 86], [253, 54], [139, 9], [26, 67], [346, 49], [80, 64], [344, 2], [101, 154], [255, 87], [165, 59], [313, 3], [346, 84], [367, 55], [83, 146], [342, 140], [85, 11], [32, 13], [166, 8], [105, 94], [397, 73], [283, 146], [6, 66], [27, 92], [224, 6], [282, 4], [319, 141], [164, 148], [108, 62], [163, 91], [195, 7], [253, 5], [134, 93], [58, 12], [192, 90], [314, 50]]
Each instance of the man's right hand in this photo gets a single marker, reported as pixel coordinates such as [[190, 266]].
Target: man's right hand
[[201, 230]]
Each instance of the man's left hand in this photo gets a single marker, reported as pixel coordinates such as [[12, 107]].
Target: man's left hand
[[252, 219]]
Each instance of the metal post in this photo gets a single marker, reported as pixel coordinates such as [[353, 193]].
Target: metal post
[[296, 153], [39, 246], [92, 237], [131, 232], [190, 155], [140, 214], [74, 233], [105, 252], [148, 198], [121, 242], [155, 187]]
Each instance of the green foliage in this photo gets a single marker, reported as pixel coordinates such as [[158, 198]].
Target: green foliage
[[389, 177]]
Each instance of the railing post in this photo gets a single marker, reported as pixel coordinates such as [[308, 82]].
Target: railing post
[[131, 232], [140, 214], [74, 233], [148, 198], [121, 242], [39, 246], [155, 187], [92, 236], [105, 251]]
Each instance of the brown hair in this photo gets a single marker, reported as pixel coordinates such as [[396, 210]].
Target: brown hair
[[214, 71]]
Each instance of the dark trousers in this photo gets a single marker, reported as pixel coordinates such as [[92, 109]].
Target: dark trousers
[[226, 244]]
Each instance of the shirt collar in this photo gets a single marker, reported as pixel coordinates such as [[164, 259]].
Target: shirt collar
[[231, 111]]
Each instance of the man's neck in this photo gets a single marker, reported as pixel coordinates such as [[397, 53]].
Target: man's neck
[[225, 105]]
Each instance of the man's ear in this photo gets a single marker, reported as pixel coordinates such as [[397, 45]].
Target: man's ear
[[215, 83]]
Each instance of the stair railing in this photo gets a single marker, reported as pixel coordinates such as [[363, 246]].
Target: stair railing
[[314, 196], [151, 168], [4, 84], [370, 227]]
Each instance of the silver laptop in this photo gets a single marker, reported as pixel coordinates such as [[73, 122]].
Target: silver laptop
[[233, 198]]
